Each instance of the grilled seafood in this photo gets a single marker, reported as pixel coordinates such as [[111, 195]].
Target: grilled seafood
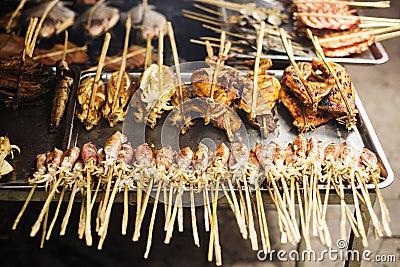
[[157, 87], [57, 20], [147, 20], [85, 115], [326, 99], [304, 163], [97, 20], [6, 149], [115, 112], [63, 87]]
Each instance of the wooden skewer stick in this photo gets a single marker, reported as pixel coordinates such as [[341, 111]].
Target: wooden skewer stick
[[257, 65], [169, 206], [39, 26], [117, 59], [175, 56], [122, 68], [352, 35], [28, 199], [200, 15], [151, 226], [44, 227], [14, 15], [377, 4], [289, 52], [236, 49], [384, 209], [65, 221], [360, 224], [53, 222], [149, 50], [170, 227], [28, 37], [207, 210], [57, 53], [327, 15], [36, 226], [239, 218], [126, 211], [106, 196], [193, 215], [374, 218], [386, 36], [220, 24], [302, 219], [82, 220], [104, 227], [92, 10], [252, 230], [139, 191], [98, 75], [88, 230], [209, 10], [143, 208], [266, 244], [213, 231]]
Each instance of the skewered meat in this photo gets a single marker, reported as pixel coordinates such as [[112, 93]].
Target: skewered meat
[[334, 102], [267, 96], [97, 20], [58, 19], [115, 112], [147, 20], [305, 118], [317, 89], [343, 51], [63, 87], [157, 87], [339, 23], [91, 117]]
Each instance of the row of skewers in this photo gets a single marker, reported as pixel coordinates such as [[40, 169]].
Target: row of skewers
[[341, 30], [291, 174]]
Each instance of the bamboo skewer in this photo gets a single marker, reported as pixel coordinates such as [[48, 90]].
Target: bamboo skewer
[[360, 224], [209, 10], [143, 208], [338, 16], [239, 218], [376, 4], [65, 221], [55, 214], [122, 68], [36, 226], [60, 52], [201, 16], [193, 215], [98, 74], [151, 226], [82, 220], [126, 211], [14, 15], [233, 48], [117, 59], [44, 228], [28, 199], [220, 24], [169, 206], [39, 26]]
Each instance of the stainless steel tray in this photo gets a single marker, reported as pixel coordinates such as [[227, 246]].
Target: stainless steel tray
[[376, 54], [362, 136]]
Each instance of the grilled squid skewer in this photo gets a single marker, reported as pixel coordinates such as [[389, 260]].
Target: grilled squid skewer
[[164, 160]]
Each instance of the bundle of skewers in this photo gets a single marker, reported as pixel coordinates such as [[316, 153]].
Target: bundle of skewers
[[299, 173], [98, 100], [341, 30]]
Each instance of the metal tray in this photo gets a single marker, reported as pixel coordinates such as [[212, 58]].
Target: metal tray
[[362, 136], [376, 54]]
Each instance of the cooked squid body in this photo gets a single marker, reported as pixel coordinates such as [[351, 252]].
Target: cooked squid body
[[157, 87], [84, 94], [116, 112]]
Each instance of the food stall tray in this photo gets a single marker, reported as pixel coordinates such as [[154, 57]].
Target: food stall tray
[[363, 134]]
